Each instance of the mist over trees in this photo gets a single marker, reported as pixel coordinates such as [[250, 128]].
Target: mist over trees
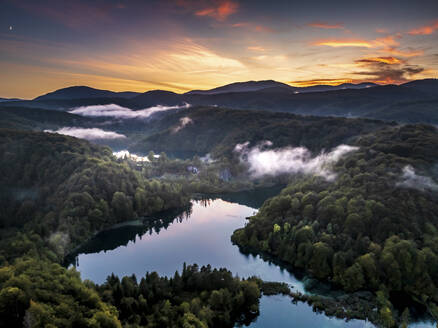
[[363, 231]]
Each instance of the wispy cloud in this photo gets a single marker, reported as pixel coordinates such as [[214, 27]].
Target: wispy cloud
[[387, 69], [381, 30], [387, 45], [253, 27], [88, 134], [387, 41], [119, 112], [425, 30], [195, 58], [219, 10], [326, 26], [256, 48], [385, 60], [309, 83], [345, 43], [409, 179], [263, 161], [404, 53]]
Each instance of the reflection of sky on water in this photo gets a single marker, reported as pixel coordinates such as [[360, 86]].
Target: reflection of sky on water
[[279, 312], [204, 238]]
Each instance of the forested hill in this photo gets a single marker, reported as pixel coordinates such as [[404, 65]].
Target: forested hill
[[218, 130], [374, 227], [65, 189], [56, 192]]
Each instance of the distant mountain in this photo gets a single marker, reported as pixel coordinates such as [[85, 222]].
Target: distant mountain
[[343, 86], [404, 103], [9, 99], [158, 97], [243, 87], [274, 86], [84, 92], [426, 85], [127, 94]]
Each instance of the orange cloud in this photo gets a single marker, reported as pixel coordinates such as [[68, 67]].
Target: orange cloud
[[387, 45], [385, 60], [403, 53], [309, 83], [256, 48], [388, 41], [253, 27], [425, 30], [381, 30], [388, 80], [345, 43], [219, 12], [325, 25]]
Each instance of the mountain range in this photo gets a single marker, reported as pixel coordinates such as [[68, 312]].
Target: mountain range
[[415, 101], [84, 92]]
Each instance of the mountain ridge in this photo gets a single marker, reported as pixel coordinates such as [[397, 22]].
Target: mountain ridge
[[86, 92], [82, 92]]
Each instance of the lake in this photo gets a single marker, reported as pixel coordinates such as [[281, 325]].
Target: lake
[[200, 235]]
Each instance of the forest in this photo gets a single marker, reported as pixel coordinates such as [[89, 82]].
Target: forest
[[372, 228]]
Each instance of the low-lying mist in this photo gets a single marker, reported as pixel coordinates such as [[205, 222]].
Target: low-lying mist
[[183, 121], [88, 134], [263, 161], [125, 154], [119, 112], [410, 179]]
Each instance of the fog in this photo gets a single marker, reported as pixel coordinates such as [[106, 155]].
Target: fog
[[410, 179], [125, 154], [261, 160], [88, 134], [183, 121], [116, 111]]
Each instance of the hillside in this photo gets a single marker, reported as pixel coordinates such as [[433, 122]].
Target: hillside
[[372, 228], [221, 129]]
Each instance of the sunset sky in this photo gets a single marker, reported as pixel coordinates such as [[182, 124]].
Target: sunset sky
[[180, 45]]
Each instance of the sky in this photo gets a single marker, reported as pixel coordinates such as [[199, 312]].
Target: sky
[[181, 45]]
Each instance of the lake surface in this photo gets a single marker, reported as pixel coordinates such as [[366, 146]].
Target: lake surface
[[200, 235]]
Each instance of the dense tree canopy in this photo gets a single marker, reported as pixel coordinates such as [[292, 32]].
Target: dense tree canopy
[[367, 229]]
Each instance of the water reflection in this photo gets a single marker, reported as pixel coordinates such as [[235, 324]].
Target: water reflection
[[278, 311], [200, 234], [126, 233], [197, 234]]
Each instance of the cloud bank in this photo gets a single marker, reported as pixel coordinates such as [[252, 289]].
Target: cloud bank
[[183, 121], [119, 112], [410, 179], [264, 161], [88, 134]]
